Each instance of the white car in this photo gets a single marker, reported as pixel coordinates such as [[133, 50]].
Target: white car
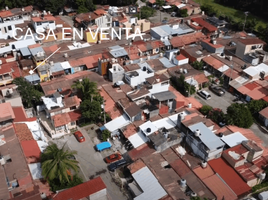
[[204, 94]]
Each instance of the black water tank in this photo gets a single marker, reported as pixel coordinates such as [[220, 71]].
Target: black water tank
[[148, 130]]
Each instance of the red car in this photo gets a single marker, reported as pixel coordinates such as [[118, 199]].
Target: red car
[[112, 158], [79, 136]]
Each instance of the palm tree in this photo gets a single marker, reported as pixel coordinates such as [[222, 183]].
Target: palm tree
[[88, 88], [57, 163]]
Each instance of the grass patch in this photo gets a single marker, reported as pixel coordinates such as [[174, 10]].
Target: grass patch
[[237, 14]]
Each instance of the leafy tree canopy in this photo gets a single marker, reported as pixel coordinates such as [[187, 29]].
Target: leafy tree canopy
[[91, 110], [239, 115], [27, 91], [205, 109]]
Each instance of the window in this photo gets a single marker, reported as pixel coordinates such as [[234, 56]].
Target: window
[[73, 123], [164, 83], [43, 72], [51, 22], [73, 107], [38, 23], [9, 28]]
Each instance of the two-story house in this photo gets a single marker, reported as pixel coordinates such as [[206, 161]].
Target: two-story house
[[139, 76], [6, 76], [16, 14], [44, 22], [203, 142], [248, 49]]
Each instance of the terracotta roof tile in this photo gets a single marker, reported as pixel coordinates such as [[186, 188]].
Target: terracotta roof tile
[[229, 175], [23, 132], [205, 24], [61, 119], [31, 150], [6, 112], [213, 62], [75, 115], [82, 191]]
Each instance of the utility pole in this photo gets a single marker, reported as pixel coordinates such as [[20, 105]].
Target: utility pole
[[246, 14], [190, 86], [232, 67]]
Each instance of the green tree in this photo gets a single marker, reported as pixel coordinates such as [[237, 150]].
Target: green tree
[[27, 92], [105, 135], [56, 185], [183, 13], [147, 12], [56, 163], [208, 9], [205, 109], [91, 110], [216, 115], [239, 115], [87, 88], [198, 65], [85, 6], [256, 106]]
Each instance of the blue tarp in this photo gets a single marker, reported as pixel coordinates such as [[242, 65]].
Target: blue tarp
[[103, 145]]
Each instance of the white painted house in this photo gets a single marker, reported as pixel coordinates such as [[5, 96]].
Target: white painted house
[[139, 76], [44, 22], [7, 29]]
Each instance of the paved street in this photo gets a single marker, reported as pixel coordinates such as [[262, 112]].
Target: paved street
[[216, 101], [91, 162], [225, 101]]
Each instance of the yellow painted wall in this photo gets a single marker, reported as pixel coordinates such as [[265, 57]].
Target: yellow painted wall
[[88, 36], [42, 77]]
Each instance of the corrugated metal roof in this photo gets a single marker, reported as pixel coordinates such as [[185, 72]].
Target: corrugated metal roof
[[148, 128], [137, 139], [33, 77], [148, 183], [117, 123], [166, 62], [34, 51], [56, 68], [207, 136], [25, 51]]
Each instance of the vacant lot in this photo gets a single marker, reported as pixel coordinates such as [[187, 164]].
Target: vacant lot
[[237, 14]]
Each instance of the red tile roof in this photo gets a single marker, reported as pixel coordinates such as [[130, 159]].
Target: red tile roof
[[208, 42], [264, 112], [251, 137], [248, 171], [61, 119], [23, 132], [31, 150], [20, 115], [203, 173], [180, 57], [6, 112], [229, 175], [6, 13], [213, 62], [34, 46], [46, 18], [219, 188], [5, 68], [204, 24], [252, 85], [74, 115], [81, 191], [251, 41], [180, 41], [99, 12], [142, 151]]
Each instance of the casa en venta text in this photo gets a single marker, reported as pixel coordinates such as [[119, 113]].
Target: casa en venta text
[[67, 31]]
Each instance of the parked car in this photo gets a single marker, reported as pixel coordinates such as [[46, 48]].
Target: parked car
[[112, 158], [117, 164], [217, 90], [79, 136], [204, 94], [102, 146]]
